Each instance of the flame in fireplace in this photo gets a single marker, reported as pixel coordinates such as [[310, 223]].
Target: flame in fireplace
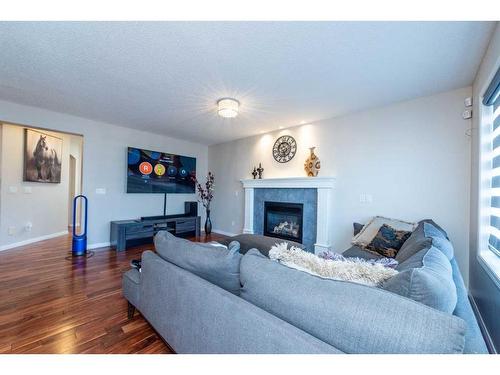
[[287, 229]]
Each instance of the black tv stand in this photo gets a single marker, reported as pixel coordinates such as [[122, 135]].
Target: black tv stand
[[160, 217], [144, 229]]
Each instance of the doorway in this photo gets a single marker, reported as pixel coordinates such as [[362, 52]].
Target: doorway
[[75, 180]]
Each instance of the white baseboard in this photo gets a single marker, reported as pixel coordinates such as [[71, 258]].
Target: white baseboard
[[33, 240], [98, 245], [223, 232]]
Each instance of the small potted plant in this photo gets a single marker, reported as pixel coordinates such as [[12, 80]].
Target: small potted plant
[[206, 194]]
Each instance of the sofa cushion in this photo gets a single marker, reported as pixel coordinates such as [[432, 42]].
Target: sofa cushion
[[353, 318], [358, 252], [217, 264], [444, 246], [255, 241], [388, 241], [431, 230], [436, 226], [370, 230], [357, 227], [426, 234], [426, 277]]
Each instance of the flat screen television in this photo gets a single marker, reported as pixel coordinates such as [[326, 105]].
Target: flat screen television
[[159, 172]]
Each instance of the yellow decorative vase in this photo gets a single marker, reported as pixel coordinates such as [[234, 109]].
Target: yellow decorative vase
[[312, 164]]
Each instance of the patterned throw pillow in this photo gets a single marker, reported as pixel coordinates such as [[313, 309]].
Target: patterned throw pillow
[[388, 241]]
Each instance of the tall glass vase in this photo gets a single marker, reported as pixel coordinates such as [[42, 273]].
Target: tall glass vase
[[208, 223]]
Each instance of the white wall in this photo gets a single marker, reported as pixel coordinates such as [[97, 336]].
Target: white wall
[[104, 166], [46, 207], [412, 157]]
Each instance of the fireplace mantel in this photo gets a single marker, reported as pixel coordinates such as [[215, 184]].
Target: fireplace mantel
[[324, 187], [291, 182]]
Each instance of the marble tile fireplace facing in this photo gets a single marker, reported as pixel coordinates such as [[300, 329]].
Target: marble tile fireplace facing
[[314, 193]]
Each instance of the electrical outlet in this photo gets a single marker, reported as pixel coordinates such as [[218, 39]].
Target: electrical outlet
[[232, 223], [27, 190], [28, 226], [100, 191], [362, 198], [12, 231], [12, 189]]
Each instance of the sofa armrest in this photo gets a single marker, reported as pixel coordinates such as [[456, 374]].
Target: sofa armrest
[[130, 286]]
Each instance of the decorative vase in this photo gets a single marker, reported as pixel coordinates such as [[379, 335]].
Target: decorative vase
[[208, 223], [312, 164], [260, 170]]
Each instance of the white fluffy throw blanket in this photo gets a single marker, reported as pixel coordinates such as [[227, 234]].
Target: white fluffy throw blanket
[[352, 269]]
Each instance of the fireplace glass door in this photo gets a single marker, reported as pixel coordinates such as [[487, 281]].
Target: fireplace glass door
[[283, 220]]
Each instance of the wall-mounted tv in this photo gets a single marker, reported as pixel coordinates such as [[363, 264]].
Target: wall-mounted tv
[[159, 172]]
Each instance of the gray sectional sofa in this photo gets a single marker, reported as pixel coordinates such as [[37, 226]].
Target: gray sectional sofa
[[205, 299]]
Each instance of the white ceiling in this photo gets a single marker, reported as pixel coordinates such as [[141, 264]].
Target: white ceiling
[[165, 77]]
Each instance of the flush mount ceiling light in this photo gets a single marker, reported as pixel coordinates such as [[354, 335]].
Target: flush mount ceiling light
[[228, 107]]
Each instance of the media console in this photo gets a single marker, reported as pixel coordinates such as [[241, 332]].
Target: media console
[[141, 229]]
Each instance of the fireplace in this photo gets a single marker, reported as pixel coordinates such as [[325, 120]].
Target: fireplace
[[283, 220]]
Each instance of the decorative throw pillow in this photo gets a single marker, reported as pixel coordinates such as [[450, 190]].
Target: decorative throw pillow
[[370, 230], [388, 241], [332, 255], [426, 277], [353, 269], [217, 264], [357, 227]]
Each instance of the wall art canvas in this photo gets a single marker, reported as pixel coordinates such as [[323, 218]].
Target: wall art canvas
[[42, 157]]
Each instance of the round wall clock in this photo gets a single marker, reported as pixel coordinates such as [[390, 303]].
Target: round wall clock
[[284, 149]]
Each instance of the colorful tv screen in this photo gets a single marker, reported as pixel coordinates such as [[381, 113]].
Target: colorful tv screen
[[159, 172]]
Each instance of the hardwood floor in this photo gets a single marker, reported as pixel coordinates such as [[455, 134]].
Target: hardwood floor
[[49, 304]]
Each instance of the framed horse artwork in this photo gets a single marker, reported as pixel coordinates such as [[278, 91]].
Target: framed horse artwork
[[42, 157]]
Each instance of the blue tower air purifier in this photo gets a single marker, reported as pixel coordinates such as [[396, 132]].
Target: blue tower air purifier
[[79, 247]]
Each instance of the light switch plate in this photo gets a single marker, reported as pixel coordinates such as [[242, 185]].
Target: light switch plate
[[12, 189], [28, 190], [100, 191], [12, 231]]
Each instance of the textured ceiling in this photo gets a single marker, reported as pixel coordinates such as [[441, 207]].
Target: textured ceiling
[[165, 77]]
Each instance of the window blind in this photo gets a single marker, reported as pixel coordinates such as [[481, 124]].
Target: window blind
[[492, 98]]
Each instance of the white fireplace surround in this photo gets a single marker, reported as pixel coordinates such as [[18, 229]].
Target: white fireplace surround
[[324, 187]]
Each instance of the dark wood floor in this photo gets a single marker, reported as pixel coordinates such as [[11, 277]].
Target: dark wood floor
[[49, 304]]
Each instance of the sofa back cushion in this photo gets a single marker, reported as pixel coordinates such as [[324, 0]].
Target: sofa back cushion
[[426, 234], [426, 277], [353, 318], [218, 264], [259, 242]]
